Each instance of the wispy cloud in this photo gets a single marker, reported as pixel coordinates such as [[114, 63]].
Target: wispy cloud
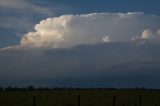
[[14, 23], [24, 5]]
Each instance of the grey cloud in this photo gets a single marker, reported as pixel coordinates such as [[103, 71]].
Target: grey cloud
[[112, 64]]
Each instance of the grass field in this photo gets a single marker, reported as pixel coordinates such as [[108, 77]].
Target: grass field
[[80, 98]]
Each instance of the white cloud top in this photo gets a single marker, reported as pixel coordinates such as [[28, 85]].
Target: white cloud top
[[106, 39], [147, 34], [71, 30]]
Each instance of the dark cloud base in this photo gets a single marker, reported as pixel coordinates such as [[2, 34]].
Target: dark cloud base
[[101, 65]]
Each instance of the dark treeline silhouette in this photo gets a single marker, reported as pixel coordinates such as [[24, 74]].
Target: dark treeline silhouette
[[9, 88]]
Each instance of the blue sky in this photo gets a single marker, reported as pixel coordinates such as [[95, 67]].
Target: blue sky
[[85, 6]]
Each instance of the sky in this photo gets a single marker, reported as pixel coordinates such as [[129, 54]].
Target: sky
[[85, 43]]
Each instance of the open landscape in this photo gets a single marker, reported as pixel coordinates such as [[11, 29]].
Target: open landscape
[[80, 98], [101, 52]]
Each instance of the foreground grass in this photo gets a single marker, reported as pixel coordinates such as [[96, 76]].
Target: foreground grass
[[80, 98]]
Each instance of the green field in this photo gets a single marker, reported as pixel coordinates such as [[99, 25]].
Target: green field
[[80, 98]]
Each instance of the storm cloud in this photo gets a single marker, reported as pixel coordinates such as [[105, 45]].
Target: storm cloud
[[71, 30], [100, 65], [87, 50]]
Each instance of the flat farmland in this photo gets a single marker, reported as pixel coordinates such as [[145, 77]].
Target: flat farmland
[[80, 98]]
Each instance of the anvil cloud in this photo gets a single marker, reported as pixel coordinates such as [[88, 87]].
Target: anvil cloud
[[71, 30], [87, 50]]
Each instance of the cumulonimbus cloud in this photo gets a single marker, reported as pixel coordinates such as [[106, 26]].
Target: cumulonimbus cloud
[[103, 63], [71, 30]]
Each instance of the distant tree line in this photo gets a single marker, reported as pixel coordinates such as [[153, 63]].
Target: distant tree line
[[29, 88]]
